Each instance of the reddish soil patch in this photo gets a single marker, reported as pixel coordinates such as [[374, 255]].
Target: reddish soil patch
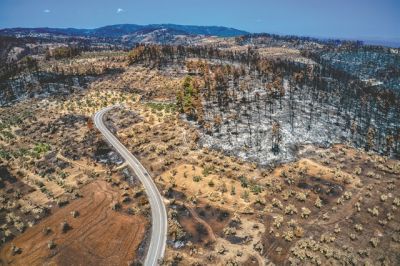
[[98, 236], [197, 231], [203, 223], [215, 217], [251, 261]]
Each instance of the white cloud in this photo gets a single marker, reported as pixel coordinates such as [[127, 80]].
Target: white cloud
[[120, 10], [46, 11]]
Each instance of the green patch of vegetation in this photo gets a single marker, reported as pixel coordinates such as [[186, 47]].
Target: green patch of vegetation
[[189, 101], [245, 195], [63, 174], [244, 182], [20, 153], [6, 135], [207, 170], [167, 107], [4, 154], [256, 189], [197, 178], [13, 120], [40, 148]]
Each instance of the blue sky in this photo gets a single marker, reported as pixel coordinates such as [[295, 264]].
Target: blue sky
[[321, 18]]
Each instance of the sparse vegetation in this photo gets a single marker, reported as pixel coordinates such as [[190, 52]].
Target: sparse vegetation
[[227, 133]]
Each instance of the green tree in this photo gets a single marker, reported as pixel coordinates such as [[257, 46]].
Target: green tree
[[188, 99]]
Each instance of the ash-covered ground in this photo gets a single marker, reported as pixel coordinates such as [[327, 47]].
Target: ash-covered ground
[[247, 127]]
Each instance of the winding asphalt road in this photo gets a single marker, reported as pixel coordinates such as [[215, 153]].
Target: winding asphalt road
[[158, 212]]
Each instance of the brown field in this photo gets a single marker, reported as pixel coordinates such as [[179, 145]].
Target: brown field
[[98, 235]]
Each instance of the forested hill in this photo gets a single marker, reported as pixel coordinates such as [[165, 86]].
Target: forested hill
[[113, 31]]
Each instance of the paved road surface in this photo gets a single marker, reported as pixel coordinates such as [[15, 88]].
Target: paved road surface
[[158, 212]]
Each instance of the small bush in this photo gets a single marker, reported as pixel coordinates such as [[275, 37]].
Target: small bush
[[64, 227], [51, 244], [197, 178]]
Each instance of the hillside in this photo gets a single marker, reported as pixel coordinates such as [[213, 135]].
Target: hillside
[[117, 31], [265, 149]]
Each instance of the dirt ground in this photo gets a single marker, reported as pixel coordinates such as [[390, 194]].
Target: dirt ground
[[335, 206], [97, 236]]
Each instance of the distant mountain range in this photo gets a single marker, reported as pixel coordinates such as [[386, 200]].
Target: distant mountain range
[[120, 30], [160, 33]]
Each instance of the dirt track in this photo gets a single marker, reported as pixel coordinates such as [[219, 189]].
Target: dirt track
[[99, 235]]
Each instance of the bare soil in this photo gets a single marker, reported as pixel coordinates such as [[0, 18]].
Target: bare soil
[[97, 236]]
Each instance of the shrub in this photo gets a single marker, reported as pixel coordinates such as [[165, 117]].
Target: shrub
[[260, 200], [244, 182], [62, 202], [64, 227], [223, 188], [298, 231], [374, 211], [20, 226], [384, 197], [245, 195], [51, 244], [229, 231], [15, 250], [256, 189], [337, 229], [277, 203], [278, 221], [207, 170], [357, 171], [374, 241], [46, 230], [290, 209], [115, 206], [358, 227], [305, 212], [75, 214], [347, 195], [396, 202], [357, 205], [197, 178], [233, 190], [300, 196], [288, 235], [318, 202]]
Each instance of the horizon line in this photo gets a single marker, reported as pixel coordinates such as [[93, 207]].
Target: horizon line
[[319, 37]]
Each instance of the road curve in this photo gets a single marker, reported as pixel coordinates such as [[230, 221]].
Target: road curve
[[158, 211]]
